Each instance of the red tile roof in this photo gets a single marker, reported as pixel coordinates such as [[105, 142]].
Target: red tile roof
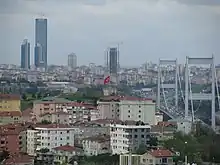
[[166, 123], [16, 159], [10, 113], [9, 97], [67, 148], [161, 153], [27, 112]]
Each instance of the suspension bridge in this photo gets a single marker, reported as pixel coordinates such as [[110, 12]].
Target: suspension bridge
[[169, 94]]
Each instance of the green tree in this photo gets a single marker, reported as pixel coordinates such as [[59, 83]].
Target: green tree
[[141, 149], [45, 122], [24, 97]]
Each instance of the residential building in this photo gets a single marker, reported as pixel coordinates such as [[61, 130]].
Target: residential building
[[49, 105], [96, 145], [45, 158], [157, 157], [41, 39], [10, 117], [63, 154], [127, 108], [153, 157], [25, 55], [81, 112], [9, 102], [49, 136], [13, 138], [128, 135], [56, 117], [19, 159]]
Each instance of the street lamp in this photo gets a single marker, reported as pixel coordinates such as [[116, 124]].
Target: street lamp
[[185, 154]]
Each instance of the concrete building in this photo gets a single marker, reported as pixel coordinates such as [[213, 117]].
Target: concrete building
[[25, 55], [49, 136], [13, 138], [96, 145], [129, 135], [49, 105], [56, 117], [72, 61], [9, 102], [10, 117], [81, 112], [41, 41], [127, 108]]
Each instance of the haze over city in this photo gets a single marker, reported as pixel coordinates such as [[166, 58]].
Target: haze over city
[[149, 29]]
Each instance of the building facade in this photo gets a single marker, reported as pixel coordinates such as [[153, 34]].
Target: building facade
[[10, 117], [49, 136], [9, 102], [128, 136], [41, 40], [25, 55], [113, 60], [127, 108]]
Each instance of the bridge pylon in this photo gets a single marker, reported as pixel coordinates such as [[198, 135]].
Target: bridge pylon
[[161, 85], [189, 95]]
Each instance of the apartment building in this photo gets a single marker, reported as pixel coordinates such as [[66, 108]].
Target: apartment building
[[13, 138], [81, 112], [49, 136], [56, 117], [127, 108], [95, 145], [9, 102], [49, 105], [128, 136], [7, 117]]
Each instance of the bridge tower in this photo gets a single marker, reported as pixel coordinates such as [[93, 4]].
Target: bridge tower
[[189, 95], [160, 84]]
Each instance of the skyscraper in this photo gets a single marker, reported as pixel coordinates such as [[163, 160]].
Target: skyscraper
[[72, 61], [113, 60], [25, 54], [41, 42]]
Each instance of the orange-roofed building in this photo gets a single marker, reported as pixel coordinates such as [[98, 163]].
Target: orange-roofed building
[[7, 117], [19, 160], [9, 102]]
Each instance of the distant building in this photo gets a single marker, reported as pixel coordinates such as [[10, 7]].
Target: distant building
[[9, 102], [25, 55], [113, 60], [41, 42], [72, 61], [56, 117]]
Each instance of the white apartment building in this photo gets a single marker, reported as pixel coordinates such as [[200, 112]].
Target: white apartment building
[[127, 108], [129, 135], [81, 112], [49, 136]]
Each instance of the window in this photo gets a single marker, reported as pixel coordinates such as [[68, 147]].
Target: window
[[164, 160], [48, 144], [61, 132], [139, 106], [142, 136], [61, 139], [139, 111], [139, 116], [135, 136], [68, 131], [67, 137], [129, 116]]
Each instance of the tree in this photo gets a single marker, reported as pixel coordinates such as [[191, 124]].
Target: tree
[[141, 149], [33, 96], [39, 96], [24, 97], [45, 122]]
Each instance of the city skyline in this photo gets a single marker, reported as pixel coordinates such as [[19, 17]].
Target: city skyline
[[149, 30]]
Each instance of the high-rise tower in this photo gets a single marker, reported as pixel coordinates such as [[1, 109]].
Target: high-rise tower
[[25, 54], [72, 61], [113, 60], [41, 41]]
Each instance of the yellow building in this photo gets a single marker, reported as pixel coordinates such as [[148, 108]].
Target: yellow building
[[9, 102]]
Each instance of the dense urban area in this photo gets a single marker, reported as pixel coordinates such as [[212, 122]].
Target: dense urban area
[[107, 115]]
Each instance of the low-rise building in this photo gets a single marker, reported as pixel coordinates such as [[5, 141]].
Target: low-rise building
[[96, 145], [63, 154], [9, 102], [10, 117], [128, 135], [19, 159], [49, 136], [127, 108], [56, 117]]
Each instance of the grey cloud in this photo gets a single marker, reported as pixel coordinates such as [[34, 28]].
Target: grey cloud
[[200, 2]]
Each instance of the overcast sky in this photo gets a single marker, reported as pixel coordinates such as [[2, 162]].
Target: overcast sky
[[149, 29]]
